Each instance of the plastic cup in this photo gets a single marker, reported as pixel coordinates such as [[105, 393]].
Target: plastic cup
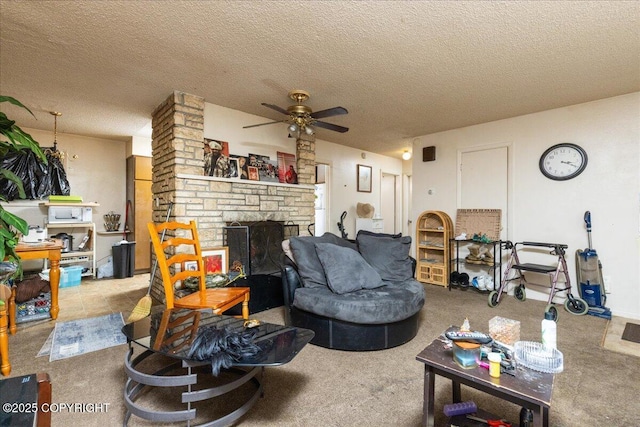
[[494, 364]]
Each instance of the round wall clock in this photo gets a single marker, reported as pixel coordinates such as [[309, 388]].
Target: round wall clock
[[563, 161]]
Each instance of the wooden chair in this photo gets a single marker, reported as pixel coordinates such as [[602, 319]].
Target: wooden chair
[[5, 295], [179, 245]]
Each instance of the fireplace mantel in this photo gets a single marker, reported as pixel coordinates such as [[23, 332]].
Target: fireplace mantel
[[242, 181]]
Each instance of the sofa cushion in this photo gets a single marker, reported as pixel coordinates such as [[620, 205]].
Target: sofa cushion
[[392, 302], [345, 269], [388, 254], [306, 258]]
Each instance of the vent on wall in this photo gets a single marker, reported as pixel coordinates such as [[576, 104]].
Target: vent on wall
[[428, 154]]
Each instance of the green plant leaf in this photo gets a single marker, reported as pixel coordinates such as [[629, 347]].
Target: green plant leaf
[[5, 123], [15, 102], [27, 141], [14, 221], [16, 179]]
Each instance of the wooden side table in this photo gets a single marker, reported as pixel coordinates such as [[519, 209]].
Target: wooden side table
[[52, 251], [528, 388]]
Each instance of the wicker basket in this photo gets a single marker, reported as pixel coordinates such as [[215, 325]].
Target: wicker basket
[[479, 221]]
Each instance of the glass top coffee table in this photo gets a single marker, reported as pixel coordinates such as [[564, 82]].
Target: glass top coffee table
[[167, 336]]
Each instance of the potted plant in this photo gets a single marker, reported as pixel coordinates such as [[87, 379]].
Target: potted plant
[[15, 139]]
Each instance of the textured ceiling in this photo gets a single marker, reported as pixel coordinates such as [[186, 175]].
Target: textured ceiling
[[402, 69]]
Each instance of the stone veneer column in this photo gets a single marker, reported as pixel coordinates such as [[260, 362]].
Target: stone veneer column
[[177, 147], [306, 158]]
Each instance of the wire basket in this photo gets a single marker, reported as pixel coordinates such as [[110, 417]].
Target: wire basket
[[533, 356]]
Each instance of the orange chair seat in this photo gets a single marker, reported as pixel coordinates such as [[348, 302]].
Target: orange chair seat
[[219, 299]]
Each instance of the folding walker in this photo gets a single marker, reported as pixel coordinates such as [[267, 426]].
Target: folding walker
[[574, 305]]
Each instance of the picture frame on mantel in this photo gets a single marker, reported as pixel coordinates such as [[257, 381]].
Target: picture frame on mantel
[[364, 179]]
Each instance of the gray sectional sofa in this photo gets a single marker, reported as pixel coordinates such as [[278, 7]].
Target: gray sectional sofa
[[355, 295]]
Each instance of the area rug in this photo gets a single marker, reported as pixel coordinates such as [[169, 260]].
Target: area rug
[[613, 338], [82, 336], [631, 332]]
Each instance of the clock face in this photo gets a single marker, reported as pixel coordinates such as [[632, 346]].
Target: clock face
[[563, 161]]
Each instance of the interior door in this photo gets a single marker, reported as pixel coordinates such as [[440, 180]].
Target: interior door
[[388, 202], [484, 182]]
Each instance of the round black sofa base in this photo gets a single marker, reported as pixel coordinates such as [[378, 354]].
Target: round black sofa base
[[341, 335]]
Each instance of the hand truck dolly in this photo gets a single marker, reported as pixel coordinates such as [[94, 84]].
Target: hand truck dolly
[[574, 305]]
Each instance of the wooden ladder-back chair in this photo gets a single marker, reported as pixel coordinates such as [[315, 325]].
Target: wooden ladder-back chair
[[171, 264], [5, 365]]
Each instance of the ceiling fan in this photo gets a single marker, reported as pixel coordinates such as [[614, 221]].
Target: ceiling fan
[[301, 118]]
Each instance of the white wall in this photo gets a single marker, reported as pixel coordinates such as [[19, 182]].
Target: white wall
[[546, 210], [344, 196], [225, 124]]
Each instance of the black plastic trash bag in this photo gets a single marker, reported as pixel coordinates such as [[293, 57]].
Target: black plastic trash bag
[[57, 177], [39, 180]]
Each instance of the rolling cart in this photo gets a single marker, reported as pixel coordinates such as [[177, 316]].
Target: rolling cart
[[574, 305]]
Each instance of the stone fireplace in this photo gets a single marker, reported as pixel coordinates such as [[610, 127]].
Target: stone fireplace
[[216, 203]]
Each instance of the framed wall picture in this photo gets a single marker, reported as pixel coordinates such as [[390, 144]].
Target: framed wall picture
[[190, 266], [364, 179], [216, 260]]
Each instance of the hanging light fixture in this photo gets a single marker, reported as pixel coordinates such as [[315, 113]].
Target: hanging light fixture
[[309, 130], [54, 152], [408, 151]]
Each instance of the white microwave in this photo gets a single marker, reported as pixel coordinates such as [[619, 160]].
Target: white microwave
[[70, 214]]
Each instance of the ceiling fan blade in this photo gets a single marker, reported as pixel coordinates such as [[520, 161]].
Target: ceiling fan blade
[[262, 124], [275, 107], [330, 126], [335, 111]]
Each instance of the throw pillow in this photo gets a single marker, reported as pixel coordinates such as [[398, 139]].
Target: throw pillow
[[387, 254], [345, 269], [304, 253], [371, 233]]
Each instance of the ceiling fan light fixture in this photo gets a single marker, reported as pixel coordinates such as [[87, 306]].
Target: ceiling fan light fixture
[[293, 128], [406, 155], [309, 130]]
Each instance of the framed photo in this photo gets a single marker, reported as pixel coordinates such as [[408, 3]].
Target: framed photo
[[364, 179], [287, 168], [216, 260], [233, 168], [190, 266], [253, 173]]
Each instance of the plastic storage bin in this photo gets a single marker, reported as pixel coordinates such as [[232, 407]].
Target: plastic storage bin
[[35, 309], [71, 277]]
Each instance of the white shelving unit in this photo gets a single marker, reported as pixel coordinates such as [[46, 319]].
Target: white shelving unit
[[85, 258]]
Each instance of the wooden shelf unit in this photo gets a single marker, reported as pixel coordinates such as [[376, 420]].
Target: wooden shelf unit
[[434, 230]]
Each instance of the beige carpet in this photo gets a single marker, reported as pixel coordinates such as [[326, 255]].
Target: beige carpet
[[322, 387], [613, 337]]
